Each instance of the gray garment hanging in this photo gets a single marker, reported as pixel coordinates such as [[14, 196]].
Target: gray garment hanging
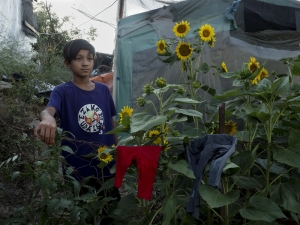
[[216, 148]]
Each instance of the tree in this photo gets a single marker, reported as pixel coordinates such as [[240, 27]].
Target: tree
[[54, 33]]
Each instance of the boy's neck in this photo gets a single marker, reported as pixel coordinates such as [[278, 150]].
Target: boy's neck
[[84, 83]]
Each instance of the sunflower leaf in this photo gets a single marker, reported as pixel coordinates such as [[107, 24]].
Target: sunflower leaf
[[228, 93], [168, 209], [146, 122], [204, 68], [215, 198], [261, 208], [188, 112], [289, 156], [182, 167], [296, 69], [286, 195], [186, 101], [209, 90]]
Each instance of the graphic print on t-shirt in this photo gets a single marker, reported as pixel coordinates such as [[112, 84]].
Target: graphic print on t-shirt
[[90, 118]]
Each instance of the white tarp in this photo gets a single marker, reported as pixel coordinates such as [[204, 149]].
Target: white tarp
[[12, 34]]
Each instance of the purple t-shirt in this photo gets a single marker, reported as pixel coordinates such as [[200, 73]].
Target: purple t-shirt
[[86, 117]]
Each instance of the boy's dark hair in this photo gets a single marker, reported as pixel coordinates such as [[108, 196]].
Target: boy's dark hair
[[72, 48]]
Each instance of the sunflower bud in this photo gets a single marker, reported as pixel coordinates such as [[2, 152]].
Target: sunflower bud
[[175, 133], [224, 68], [245, 73], [196, 84], [180, 90], [141, 101], [148, 89], [160, 82]]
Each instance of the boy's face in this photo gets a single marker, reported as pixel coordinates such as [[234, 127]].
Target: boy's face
[[82, 65]]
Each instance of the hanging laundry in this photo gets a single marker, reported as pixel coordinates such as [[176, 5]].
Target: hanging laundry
[[215, 148], [146, 158]]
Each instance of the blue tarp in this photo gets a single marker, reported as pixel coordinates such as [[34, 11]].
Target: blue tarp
[[136, 62]]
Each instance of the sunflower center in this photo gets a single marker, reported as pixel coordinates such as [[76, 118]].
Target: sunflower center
[[263, 74], [161, 46], [253, 67], [103, 156], [184, 50], [206, 33], [181, 28]]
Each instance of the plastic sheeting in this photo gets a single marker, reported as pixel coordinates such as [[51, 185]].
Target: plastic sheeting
[[136, 62], [11, 16], [105, 78]]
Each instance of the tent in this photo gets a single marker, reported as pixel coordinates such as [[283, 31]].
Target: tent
[[244, 29]]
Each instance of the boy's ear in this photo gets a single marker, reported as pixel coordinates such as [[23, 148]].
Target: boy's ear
[[68, 65]]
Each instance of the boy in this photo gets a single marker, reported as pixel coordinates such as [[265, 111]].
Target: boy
[[85, 109]]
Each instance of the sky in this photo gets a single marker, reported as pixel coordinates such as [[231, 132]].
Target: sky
[[106, 10]]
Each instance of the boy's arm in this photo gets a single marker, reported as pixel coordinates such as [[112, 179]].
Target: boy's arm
[[46, 129], [115, 135]]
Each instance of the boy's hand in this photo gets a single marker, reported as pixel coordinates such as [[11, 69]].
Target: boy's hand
[[46, 130]]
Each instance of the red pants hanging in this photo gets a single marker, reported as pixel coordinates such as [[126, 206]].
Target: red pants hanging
[[147, 161]]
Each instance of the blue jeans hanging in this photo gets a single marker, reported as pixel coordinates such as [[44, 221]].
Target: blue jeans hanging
[[216, 148]]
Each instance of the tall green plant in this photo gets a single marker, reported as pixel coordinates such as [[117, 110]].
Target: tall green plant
[[262, 167], [268, 139], [156, 125], [186, 54]]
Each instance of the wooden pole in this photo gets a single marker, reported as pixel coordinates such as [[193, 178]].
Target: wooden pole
[[222, 118], [121, 9], [222, 131]]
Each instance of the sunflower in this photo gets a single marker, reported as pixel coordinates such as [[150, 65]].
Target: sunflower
[[166, 146], [181, 29], [184, 50], [230, 127], [253, 65], [224, 68], [255, 80], [161, 46], [104, 157], [212, 42], [153, 133], [206, 32], [166, 128], [263, 74], [101, 149], [126, 111]]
